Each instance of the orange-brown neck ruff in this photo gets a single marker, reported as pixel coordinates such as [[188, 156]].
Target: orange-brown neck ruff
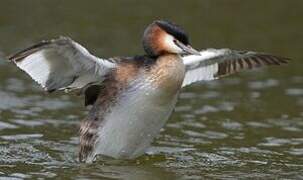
[[154, 43]]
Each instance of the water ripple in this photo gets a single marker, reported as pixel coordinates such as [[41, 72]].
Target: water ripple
[[263, 84], [294, 92], [4, 125], [21, 137]]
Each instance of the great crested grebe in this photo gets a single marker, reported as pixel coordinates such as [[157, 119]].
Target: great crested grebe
[[131, 97]]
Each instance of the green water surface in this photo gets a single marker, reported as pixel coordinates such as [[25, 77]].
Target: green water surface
[[248, 125]]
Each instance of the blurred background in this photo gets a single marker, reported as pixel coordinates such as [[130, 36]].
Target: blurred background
[[247, 125]]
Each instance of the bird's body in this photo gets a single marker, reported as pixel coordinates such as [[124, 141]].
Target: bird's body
[[131, 98], [133, 106]]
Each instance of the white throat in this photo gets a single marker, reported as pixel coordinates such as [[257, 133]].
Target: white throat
[[170, 45]]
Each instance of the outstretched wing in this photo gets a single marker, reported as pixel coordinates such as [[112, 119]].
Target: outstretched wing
[[216, 63], [61, 64]]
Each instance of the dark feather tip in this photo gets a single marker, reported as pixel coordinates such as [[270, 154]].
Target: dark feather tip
[[27, 51]]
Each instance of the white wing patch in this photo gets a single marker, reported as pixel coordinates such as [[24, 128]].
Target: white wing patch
[[36, 67], [193, 60], [216, 63], [205, 73]]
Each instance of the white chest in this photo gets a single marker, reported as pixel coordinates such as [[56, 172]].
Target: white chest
[[133, 122]]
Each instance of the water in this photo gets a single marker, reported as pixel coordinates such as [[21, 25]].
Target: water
[[247, 125]]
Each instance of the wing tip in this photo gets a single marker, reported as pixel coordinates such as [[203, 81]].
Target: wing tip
[[21, 54], [278, 60]]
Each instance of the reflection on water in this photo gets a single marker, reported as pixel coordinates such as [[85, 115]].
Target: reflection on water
[[248, 125]]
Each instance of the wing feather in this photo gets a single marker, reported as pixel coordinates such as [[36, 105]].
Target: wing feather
[[216, 63], [61, 64]]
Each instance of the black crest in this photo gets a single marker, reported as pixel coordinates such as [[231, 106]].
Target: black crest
[[174, 30]]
